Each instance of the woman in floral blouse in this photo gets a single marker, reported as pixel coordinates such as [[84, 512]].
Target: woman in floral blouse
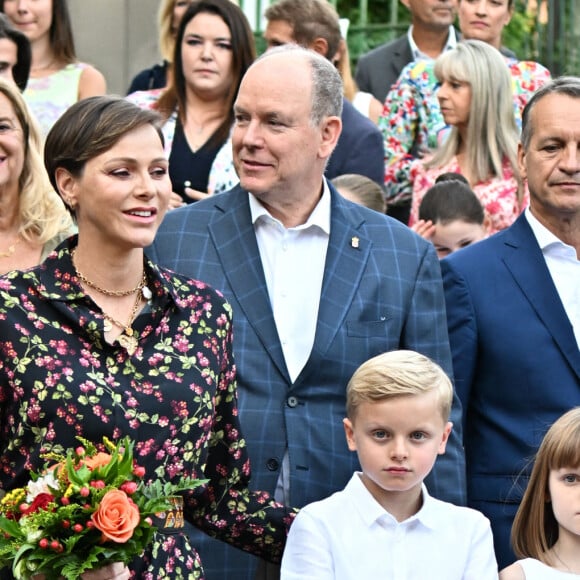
[[99, 341], [476, 101], [412, 122]]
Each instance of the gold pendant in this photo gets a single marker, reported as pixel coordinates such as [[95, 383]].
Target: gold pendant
[[128, 342]]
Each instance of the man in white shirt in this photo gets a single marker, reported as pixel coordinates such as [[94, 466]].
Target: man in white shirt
[[513, 307], [431, 32], [317, 285]]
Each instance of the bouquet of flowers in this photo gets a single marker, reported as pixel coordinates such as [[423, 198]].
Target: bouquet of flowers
[[87, 509]]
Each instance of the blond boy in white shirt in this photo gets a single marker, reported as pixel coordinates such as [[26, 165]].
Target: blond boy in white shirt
[[384, 525]]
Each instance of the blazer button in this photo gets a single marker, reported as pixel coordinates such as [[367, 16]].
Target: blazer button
[[272, 464], [292, 402]]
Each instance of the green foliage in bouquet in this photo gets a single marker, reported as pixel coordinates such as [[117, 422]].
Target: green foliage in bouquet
[[85, 510]]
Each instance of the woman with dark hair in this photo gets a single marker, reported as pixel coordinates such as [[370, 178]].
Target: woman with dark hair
[[13, 42], [57, 78], [213, 49], [99, 341]]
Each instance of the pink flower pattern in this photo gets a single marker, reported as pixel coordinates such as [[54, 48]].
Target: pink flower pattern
[[176, 396]]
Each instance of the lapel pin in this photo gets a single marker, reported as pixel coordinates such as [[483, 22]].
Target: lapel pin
[[354, 242]]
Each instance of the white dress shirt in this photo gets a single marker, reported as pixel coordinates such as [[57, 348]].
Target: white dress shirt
[[417, 54], [564, 268], [293, 261], [349, 536]]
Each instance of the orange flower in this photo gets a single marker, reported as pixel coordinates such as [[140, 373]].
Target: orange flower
[[116, 517], [97, 460]]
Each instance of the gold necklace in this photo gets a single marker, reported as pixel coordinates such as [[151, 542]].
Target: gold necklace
[[127, 338], [141, 287], [11, 248]]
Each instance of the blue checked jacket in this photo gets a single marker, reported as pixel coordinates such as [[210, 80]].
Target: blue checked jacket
[[381, 294]]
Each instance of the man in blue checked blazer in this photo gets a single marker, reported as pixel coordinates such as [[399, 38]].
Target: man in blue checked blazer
[[317, 284]]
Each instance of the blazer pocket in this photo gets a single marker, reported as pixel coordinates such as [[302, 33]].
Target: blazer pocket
[[367, 328]]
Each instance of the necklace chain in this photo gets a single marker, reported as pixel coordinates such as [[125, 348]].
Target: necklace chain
[[126, 339], [118, 293], [11, 248]]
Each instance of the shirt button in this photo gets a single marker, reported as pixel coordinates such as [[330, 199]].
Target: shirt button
[[292, 402], [272, 464]]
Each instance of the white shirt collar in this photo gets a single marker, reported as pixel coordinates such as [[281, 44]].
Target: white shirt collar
[[417, 54], [371, 510], [546, 239], [319, 217]]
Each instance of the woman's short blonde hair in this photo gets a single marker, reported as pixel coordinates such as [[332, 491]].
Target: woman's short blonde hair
[[43, 216], [395, 374]]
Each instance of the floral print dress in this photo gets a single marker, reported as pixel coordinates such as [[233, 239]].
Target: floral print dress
[[412, 123], [175, 396], [498, 195]]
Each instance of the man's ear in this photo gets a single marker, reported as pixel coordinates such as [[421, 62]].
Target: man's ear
[[320, 45], [330, 129], [522, 161]]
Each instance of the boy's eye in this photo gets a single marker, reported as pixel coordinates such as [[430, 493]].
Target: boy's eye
[[380, 434], [417, 435]]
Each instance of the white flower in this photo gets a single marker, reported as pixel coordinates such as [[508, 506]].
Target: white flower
[[45, 484]]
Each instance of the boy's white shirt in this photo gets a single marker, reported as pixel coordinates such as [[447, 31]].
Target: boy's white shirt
[[350, 536]]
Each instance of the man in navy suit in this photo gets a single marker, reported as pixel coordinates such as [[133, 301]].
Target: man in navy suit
[[431, 32], [317, 285], [314, 24], [513, 304]]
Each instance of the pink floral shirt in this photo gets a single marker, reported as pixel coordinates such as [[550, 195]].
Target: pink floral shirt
[[499, 196]]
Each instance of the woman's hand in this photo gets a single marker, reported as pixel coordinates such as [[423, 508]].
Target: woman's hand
[[425, 229], [175, 201], [195, 194]]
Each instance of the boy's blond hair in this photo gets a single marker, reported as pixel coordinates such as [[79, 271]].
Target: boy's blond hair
[[395, 374]]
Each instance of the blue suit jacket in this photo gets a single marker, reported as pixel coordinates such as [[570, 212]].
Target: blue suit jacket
[[516, 365], [381, 294], [360, 148]]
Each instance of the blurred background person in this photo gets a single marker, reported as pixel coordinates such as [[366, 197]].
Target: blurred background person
[[431, 32], [168, 19], [363, 102], [361, 190], [412, 122], [213, 49], [475, 97], [57, 78], [33, 219], [15, 54], [450, 215]]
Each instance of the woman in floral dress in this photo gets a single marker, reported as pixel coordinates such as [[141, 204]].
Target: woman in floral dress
[[98, 341], [475, 99]]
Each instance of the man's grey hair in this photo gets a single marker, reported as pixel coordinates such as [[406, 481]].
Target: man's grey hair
[[569, 86], [327, 88]]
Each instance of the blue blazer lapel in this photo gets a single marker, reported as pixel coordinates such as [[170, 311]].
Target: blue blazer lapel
[[526, 263], [235, 242], [346, 259]]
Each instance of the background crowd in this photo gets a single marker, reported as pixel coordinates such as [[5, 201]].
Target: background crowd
[[264, 184]]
